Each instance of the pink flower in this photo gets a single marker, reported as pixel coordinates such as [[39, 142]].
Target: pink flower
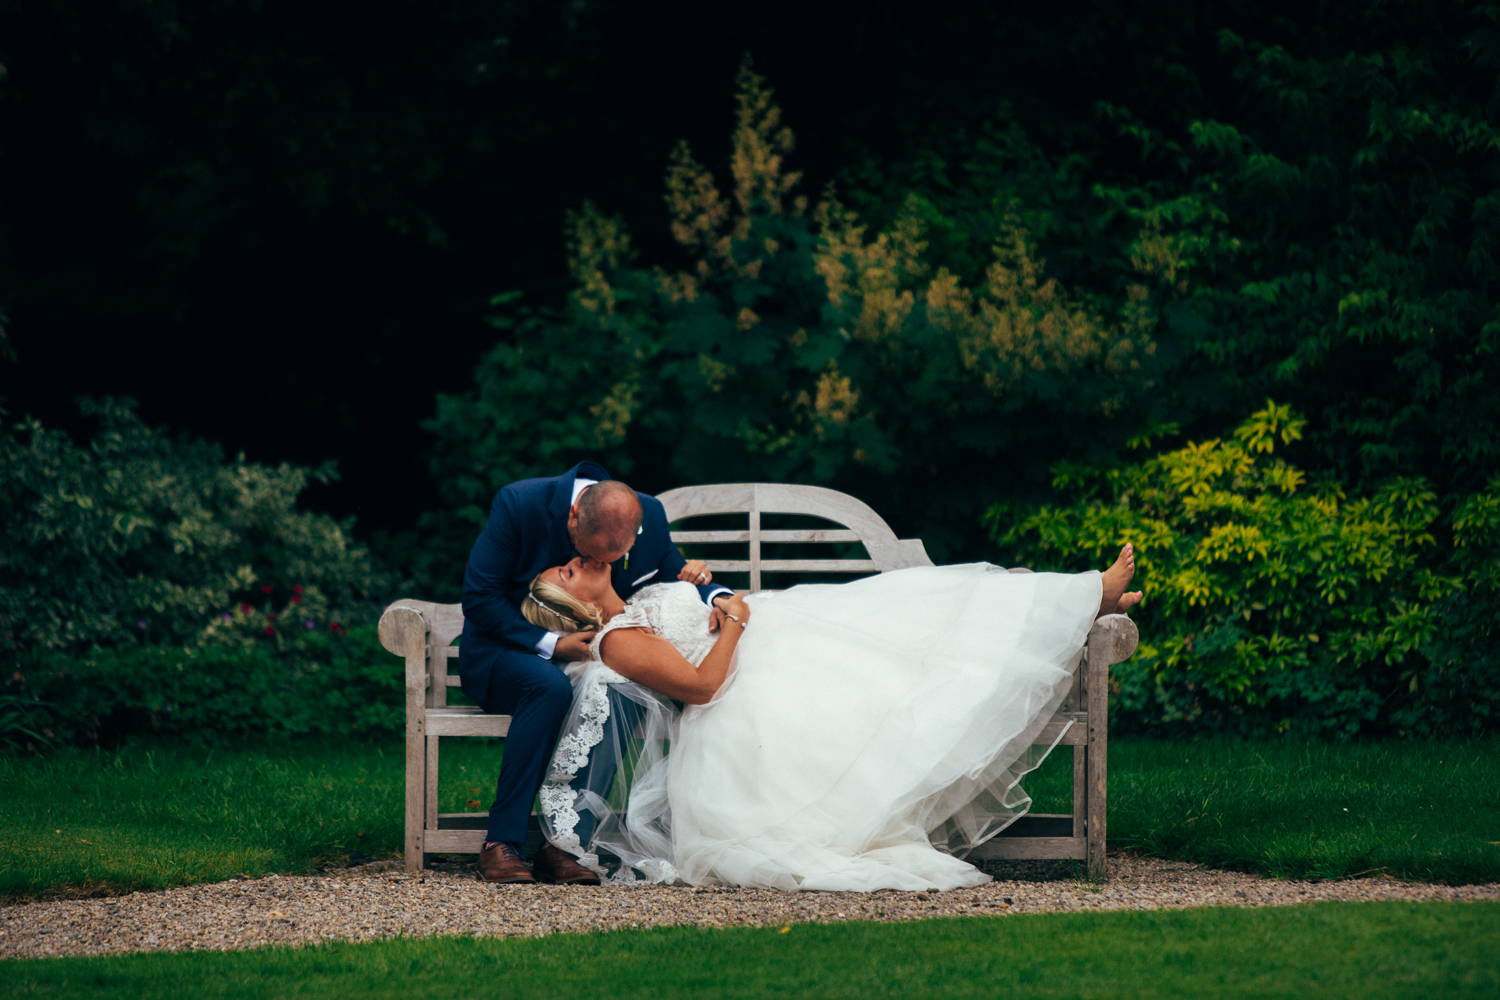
[[245, 609], [266, 589], [296, 600], [270, 630], [297, 589], [270, 618]]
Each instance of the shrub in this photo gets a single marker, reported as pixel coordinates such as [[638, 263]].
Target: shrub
[[144, 578], [1274, 603], [798, 345], [338, 684], [142, 537], [1321, 230]]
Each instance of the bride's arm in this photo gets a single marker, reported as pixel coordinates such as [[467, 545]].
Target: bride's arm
[[648, 659]]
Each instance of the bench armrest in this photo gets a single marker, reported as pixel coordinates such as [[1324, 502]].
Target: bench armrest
[[1112, 640]]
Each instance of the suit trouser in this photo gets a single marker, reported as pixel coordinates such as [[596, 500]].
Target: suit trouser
[[536, 694]]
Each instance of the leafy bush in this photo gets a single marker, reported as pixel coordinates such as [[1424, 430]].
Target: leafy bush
[[959, 320], [335, 684], [1275, 603], [144, 578], [1327, 210], [140, 537], [796, 345]]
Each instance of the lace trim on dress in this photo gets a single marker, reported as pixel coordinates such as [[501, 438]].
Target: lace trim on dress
[[557, 795], [559, 799], [671, 610]]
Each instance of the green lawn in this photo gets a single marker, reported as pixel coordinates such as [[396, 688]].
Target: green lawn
[[90, 822], [1299, 809], [1359, 950]]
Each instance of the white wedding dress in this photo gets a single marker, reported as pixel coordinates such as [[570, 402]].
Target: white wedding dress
[[869, 734]]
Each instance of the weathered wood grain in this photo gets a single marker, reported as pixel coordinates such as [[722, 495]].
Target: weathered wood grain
[[1058, 732], [455, 841], [467, 720], [403, 631], [821, 535], [1031, 848], [790, 566]]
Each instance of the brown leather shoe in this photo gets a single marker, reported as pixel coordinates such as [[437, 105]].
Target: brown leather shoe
[[553, 864], [502, 863]]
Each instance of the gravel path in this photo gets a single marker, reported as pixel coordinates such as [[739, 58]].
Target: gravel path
[[379, 901]]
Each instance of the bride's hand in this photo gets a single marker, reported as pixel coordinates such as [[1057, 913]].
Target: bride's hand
[[726, 605]]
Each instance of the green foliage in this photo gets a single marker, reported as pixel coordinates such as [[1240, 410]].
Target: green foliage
[[21, 723], [1327, 220], [138, 528], [796, 345], [315, 683], [963, 318], [1274, 604], [145, 577]]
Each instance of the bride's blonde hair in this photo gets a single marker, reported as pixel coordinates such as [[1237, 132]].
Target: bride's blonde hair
[[550, 607]]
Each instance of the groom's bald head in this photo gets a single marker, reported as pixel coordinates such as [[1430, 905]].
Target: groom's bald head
[[604, 520]]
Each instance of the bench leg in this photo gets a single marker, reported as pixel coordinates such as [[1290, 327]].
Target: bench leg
[[416, 793], [1096, 802], [1080, 791], [430, 807]]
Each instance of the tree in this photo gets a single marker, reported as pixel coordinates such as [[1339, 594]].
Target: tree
[[797, 346]]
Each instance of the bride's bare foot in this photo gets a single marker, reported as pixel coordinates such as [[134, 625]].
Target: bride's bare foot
[[1116, 601]]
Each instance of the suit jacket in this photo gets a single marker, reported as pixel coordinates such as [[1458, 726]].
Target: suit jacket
[[527, 531]]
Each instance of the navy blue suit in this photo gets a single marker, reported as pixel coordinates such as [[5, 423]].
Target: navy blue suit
[[497, 662]]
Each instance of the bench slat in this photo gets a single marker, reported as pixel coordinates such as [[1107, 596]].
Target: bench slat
[[766, 535], [1012, 848], [456, 841], [794, 565], [1027, 847], [1077, 736], [465, 721]]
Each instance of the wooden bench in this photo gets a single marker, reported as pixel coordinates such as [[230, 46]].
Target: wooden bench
[[423, 634]]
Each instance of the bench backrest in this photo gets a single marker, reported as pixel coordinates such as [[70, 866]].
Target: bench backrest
[[859, 524]]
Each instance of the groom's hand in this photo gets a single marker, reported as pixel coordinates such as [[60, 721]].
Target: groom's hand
[[573, 646], [695, 572]]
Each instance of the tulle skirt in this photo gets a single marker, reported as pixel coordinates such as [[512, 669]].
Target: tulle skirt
[[870, 734]]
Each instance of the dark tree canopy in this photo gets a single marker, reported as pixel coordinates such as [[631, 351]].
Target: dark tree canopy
[[1030, 259], [278, 224]]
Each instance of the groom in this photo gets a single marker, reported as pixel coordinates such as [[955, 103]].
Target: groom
[[511, 667]]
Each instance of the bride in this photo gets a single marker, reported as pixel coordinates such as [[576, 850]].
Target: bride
[[853, 736]]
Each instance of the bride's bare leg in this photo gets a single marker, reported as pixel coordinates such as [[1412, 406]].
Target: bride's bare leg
[[1116, 579]]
